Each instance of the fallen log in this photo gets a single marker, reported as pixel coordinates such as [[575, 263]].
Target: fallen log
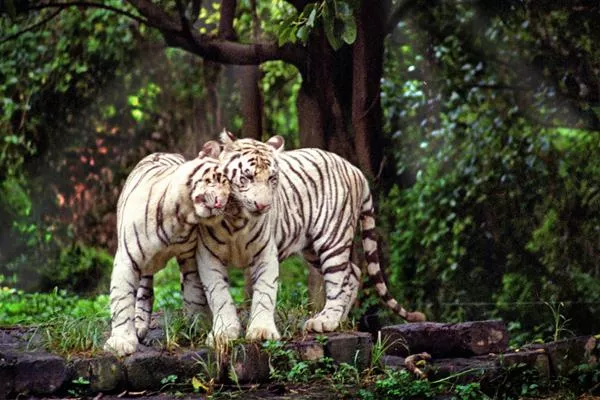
[[463, 339]]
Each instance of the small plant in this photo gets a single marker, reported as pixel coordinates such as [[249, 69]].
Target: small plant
[[398, 385], [559, 321], [168, 381], [322, 339], [379, 349], [80, 387], [280, 359], [346, 374], [212, 369], [470, 391]]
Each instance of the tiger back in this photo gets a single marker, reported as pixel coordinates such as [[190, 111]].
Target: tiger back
[[160, 206]]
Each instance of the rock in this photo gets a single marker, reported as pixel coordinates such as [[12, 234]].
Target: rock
[[146, 371], [249, 363], [38, 373], [352, 347], [105, 373], [567, 354], [194, 362], [307, 350], [446, 340], [535, 359], [7, 373]]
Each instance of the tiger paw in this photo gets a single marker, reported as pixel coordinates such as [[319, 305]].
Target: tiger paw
[[263, 331], [320, 324], [121, 345], [220, 337], [141, 329]]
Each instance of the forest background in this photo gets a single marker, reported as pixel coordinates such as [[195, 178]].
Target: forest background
[[476, 121]]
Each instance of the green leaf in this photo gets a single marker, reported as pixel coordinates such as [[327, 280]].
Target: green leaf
[[303, 32], [311, 18], [349, 34], [329, 24]]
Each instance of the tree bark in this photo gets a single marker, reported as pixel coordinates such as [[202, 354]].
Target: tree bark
[[251, 104], [367, 57]]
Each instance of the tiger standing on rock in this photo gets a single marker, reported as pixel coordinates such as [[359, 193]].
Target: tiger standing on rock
[[162, 202], [284, 202]]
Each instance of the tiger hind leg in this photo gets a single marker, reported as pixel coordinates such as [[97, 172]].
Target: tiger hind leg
[[194, 298], [143, 306], [341, 278]]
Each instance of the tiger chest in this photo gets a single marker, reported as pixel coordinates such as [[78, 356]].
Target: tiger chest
[[230, 245]]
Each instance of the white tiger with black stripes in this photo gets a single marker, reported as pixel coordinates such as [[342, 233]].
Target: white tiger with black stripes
[[308, 201], [160, 206]]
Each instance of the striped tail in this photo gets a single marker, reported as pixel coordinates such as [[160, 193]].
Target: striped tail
[[369, 239]]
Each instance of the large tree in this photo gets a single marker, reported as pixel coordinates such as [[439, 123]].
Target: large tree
[[336, 45]]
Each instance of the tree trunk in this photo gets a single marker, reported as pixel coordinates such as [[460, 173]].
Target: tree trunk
[[251, 104], [339, 104], [367, 71]]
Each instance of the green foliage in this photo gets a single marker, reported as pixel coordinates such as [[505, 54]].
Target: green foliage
[[401, 384], [495, 213], [18, 307], [280, 84], [78, 269], [49, 75], [335, 16]]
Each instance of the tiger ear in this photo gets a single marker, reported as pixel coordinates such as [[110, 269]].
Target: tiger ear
[[227, 137], [277, 142], [211, 149]]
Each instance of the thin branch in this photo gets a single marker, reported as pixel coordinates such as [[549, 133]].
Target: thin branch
[[117, 10], [31, 27], [212, 48], [158, 17], [185, 24]]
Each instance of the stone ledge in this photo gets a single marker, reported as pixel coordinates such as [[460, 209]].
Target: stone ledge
[[40, 373]]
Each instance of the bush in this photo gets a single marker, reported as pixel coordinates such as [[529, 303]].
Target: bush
[[79, 269]]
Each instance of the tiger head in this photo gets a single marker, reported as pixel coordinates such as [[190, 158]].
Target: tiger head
[[209, 186], [252, 169]]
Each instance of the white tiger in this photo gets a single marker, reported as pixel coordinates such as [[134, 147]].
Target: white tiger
[[283, 202], [160, 206]]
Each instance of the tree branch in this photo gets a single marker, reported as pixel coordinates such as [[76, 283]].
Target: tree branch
[[212, 48], [226, 30], [31, 27]]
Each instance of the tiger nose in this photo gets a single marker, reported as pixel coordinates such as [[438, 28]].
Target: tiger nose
[[218, 204], [260, 206]]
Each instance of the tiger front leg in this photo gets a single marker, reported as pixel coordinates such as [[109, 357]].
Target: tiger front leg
[[213, 274], [124, 282], [194, 298], [265, 279]]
